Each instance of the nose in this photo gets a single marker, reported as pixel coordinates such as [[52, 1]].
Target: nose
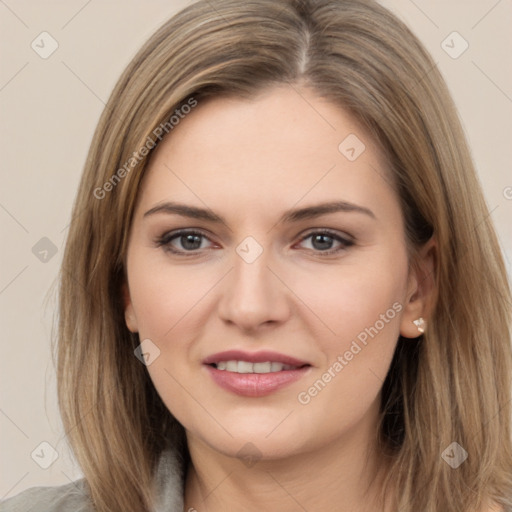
[[253, 295]]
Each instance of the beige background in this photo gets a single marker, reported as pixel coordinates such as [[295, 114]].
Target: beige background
[[49, 108]]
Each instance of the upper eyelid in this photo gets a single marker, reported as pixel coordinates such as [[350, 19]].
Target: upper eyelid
[[328, 231], [308, 232]]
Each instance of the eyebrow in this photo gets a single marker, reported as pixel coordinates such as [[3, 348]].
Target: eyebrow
[[293, 215]]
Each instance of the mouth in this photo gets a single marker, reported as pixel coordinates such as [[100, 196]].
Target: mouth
[[248, 367], [254, 374]]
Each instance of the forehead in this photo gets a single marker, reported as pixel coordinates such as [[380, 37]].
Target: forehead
[[283, 146]]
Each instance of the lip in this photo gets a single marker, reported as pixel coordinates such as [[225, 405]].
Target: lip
[[255, 384]]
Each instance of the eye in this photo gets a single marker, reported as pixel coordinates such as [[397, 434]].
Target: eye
[[323, 241], [182, 241], [190, 242]]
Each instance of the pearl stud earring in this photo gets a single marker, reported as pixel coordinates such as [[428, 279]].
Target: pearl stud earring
[[420, 324]]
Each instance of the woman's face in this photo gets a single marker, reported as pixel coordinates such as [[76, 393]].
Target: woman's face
[[267, 317]]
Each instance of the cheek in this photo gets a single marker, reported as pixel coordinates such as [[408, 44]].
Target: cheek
[[350, 298], [168, 300], [164, 296], [362, 305]]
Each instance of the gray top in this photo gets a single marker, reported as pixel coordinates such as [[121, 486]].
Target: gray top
[[73, 497]]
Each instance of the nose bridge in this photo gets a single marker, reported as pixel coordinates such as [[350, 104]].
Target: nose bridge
[[251, 276], [252, 295]]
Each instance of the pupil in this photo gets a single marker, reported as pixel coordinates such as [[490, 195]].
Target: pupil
[[322, 242], [191, 241]]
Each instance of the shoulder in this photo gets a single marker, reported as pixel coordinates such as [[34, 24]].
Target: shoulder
[[74, 497], [63, 498]]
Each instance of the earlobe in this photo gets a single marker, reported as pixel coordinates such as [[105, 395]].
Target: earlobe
[[421, 292], [129, 314], [413, 323]]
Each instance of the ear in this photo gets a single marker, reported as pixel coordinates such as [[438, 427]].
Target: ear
[[129, 313], [421, 290]]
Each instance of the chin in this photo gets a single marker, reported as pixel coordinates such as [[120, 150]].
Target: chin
[[251, 449], [256, 439]]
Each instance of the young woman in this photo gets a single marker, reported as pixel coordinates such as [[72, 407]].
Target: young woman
[[282, 289]]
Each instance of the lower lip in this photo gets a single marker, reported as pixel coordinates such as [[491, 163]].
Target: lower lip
[[255, 384]]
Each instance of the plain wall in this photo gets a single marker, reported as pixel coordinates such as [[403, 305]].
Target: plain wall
[[49, 109]]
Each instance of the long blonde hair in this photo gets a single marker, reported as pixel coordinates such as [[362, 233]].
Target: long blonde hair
[[451, 385]]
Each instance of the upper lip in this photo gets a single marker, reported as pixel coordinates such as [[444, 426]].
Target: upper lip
[[254, 357]]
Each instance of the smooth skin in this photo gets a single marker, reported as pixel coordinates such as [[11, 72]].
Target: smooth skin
[[249, 162]]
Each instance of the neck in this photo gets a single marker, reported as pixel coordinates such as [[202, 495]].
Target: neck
[[344, 475]]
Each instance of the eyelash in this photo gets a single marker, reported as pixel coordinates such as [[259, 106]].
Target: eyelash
[[165, 240]]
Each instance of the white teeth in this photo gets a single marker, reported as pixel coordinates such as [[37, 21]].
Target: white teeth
[[262, 367], [276, 367], [232, 366], [246, 367]]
